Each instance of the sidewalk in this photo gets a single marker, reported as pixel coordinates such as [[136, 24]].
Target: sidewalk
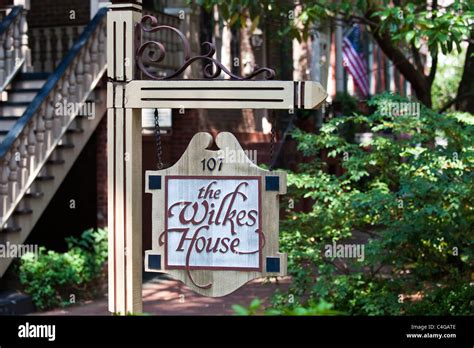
[[171, 297]]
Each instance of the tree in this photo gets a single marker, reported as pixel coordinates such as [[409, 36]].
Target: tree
[[400, 29], [406, 197]]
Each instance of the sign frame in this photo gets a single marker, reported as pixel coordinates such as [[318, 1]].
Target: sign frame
[[217, 268]]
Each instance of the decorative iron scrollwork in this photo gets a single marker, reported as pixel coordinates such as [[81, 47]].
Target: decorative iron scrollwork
[[157, 52]]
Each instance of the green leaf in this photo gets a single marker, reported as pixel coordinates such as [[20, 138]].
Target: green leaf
[[410, 35], [255, 304], [239, 310]]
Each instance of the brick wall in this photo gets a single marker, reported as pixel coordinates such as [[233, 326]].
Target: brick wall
[[48, 13]]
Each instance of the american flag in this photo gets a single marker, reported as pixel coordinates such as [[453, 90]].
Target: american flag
[[353, 61]]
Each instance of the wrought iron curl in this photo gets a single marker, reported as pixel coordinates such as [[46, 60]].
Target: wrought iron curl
[[211, 69]]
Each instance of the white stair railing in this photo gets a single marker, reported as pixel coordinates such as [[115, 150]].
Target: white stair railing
[[50, 44], [14, 50], [34, 137]]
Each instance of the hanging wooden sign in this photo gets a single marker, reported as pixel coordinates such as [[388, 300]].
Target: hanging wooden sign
[[215, 213], [215, 218]]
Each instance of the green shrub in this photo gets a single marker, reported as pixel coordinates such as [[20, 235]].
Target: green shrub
[[54, 279], [256, 308], [412, 195]]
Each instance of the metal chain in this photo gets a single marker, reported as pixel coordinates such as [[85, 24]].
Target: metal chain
[[159, 149], [272, 140]]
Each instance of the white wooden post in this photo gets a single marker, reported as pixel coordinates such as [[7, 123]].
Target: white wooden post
[[124, 151], [25, 3]]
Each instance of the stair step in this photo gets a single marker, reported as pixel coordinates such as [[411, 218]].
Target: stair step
[[3, 134], [7, 122], [33, 76], [22, 95], [25, 211], [55, 161], [28, 83], [12, 103], [45, 177], [13, 108], [23, 90], [74, 130], [11, 229], [66, 146], [34, 195]]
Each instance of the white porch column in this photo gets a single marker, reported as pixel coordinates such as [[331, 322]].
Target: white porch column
[[24, 3], [124, 151]]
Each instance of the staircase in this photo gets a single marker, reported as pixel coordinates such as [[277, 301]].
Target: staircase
[[21, 93], [39, 142]]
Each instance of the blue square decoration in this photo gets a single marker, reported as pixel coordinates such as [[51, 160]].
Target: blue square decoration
[[154, 262], [154, 182], [272, 183], [273, 264]]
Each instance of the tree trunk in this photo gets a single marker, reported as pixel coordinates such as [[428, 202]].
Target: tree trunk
[[418, 80], [465, 97]]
